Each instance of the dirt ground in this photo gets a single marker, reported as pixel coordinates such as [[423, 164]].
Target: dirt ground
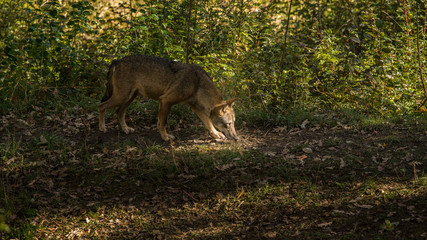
[[62, 178]]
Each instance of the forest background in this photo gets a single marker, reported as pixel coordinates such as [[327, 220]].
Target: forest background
[[360, 55]]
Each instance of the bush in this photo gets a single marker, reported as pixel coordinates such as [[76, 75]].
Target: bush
[[361, 56]]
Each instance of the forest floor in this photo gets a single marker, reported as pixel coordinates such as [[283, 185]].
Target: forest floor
[[63, 179]]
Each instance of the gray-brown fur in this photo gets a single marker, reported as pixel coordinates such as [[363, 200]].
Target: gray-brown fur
[[171, 83]]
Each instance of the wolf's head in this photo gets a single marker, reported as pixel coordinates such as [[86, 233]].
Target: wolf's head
[[222, 116]]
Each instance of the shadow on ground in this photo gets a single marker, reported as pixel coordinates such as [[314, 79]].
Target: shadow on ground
[[67, 180]]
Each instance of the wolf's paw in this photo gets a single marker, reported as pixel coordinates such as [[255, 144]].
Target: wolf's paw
[[168, 137], [102, 129], [128, 130], [218, 135]]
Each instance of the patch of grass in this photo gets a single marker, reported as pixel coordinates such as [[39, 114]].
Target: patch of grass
[[3, 226], [264, 118], [49, 102], [153, 149], [50, 140], [379, 121], [145, 110], [391, 196], [10, 151], [24, 231], [369, 185], [343, 185], [16, 204], [332, 142], [7, 206], [421, 181], [294, 117], [282, 170]]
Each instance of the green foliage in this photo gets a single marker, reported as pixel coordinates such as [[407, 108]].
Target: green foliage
[[353, 55], [3, 226], [48, 51]]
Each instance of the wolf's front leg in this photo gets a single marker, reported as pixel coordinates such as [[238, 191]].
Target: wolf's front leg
[[208, 124], [162, 129], [217, 135], [124, 126], [167, 137]]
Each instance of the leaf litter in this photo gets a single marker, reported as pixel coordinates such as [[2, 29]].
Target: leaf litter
[[289, 182]]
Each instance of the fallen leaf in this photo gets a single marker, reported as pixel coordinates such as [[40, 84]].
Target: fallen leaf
[[365, 206], [303, 124], [90, 116], [338, 211], [43, 140], [324, 224], [411, 208], [280, 129], [307, 150], [342, 163], [271, 234], [187, 176], [21, 124], [270, 154], [225, 166]]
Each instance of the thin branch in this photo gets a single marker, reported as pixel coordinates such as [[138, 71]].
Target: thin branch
[[420, 65], [319, 20], [188, 44], [282, 58]]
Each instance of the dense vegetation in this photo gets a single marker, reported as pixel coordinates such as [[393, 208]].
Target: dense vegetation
[[365, 55], [332, 121]]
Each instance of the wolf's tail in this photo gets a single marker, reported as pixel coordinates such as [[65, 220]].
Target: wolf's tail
[[109, 90]]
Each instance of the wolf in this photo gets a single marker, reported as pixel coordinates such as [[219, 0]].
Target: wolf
[[170, 82]]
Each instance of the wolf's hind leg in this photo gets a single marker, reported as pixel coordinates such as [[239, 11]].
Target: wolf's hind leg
[[121, 112], [101, 116], [102, 108], [164, 108]]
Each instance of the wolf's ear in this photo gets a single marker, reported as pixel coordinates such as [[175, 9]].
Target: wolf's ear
[[219, 109], [231, 101]]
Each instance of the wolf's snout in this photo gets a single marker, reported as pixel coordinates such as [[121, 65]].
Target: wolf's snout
[[231, 133]]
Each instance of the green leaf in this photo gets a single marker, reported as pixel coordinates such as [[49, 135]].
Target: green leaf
[[379, 23], [53, 13]]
